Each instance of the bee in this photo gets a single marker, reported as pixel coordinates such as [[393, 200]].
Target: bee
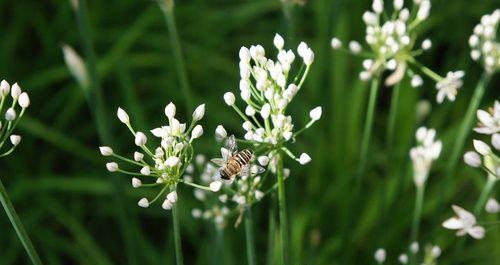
[[234, 162]]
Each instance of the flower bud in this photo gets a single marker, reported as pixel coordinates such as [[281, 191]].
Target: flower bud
[[144, 203], [220, 132], [426, 44], [172, 197], [215, 186], [167, 205], [315, 114], [259, 195], [380, 255], [106, 150], [416, 81], [492, 206], [15, 91], [263, 160], [472, 159], [336, 43], [495, 141], [146, 171], [136, 183], [354, 47], [197, 132], [170, 110], [265, 111], [10, 114], [4, 88], [112, 166], [199, 112], [15, 139], [138, 156], [229, 98], [172, 161], [140, 139], [304, 159], [308, 57], [122, 116], [250, 111], [278, 41], [481, 147], [302, 48], [24, 100]]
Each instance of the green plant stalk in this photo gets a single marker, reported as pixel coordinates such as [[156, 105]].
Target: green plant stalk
[[287, 13], [392, 115], [95, 101], [249, 236], [367, 131], [168, 13], [282, 212], [417, 214], [177, 236], [220, 257], [271, 231], [466, 124], [18, 226]]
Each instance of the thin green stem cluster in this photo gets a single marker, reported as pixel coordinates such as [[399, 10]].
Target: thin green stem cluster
[[283, 219]]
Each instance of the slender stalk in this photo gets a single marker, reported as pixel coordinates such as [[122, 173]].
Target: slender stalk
[[287, 13], [466, 125], [367, 131], [419, 201], [392, 114], [283, 221], [250, 242], [220, 258], [177, 236], [272, 231], [18, 226], [167, 6]]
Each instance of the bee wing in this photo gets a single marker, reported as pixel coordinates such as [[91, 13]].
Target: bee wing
[[231, 145], [217, 176], [256, 169], [245, 171], [218, 161]]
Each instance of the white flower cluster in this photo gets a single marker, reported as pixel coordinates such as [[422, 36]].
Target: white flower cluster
[[431, 253], [267, 88], [484, 43], [484, 155], [391, 39], [168, 161], [13, 113], [427, 150], [215, 206], [465, 223]]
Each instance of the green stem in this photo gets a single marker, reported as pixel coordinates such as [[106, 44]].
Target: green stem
[[220, 258], [177, 236], [18, 226], [419, 201], [466, 125], [392, 114], [168, 12], [287, 13], [272, 231], [485, 193], [282, 212], [367, 131], [250, 243]]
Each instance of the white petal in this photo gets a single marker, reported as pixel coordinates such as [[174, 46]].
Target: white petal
[[477, 232], [453, 223]]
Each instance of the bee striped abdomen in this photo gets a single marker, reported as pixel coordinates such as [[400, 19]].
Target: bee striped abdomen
[[236, 164]]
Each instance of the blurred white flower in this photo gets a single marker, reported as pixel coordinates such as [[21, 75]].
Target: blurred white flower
[[403, 259], [427, 150], [492, 206], [484, 43], [448, 86], [380, 255], [144, 203], [199, 112], [489, 122], [472, 159], [465, 223], [122, 116], [112, 166], [106, 150]]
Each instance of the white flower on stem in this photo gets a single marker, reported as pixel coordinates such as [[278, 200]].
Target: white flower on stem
[[489, 122], [4, 88], [355, 47], [15, 139], [24, 100], [122, 116], [172, 161], [308, 57], [136, 183], [448, 86], [495, 140], [146, 171], [472, 159], [140, 139], [76, 65], [170, 110], [380, 255], [315, 113], [197, 132], [199, 112], [138, 156], [106, 150], [215, 186], [304, 159], [265, 111], [416, 81], [492, 206], [263, 160], [112, 166], [427, 150], [229, 98], [336, 43], [196, 213], [220, 132], [481, 147], [426, 44], [378, 6], [167, 205], [414, 247], [465, 223], [436, 251], [10, 114], [403, 259], [144, 203], [172, 197], [278, 41], [484, 43], [15, 91]]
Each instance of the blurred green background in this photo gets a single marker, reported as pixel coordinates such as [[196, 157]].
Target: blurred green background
[[72, 208]]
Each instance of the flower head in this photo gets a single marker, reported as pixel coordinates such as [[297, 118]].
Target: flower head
[[448, 87], [427, 150], [484, 43], [465, 223], [489, 121], [16, 105]]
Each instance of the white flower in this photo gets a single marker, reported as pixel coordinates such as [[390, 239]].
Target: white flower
[[15, 139], [278, 41], [140, 139], [4, 88], [448, 87], [220, 132], [414, 247], [136, 183], [304, 159], [416, 81], [436, 251], [145, 170], [380, 255], [144, 203], [481, 147], [229, 98], [492, 206], [484, 42], [215, 186], [465, 223], [427, 150], [426, 44], [76, 65], [170, 110], [138, 156], [315, 114], [472, 159], [172, 161], [122, 116], [489, 122], [403, 258], [172, 196], [197, 132], [265, 111], [336, 43], [308, 57], [355, 47], [263, 160], [112, 166], [196, 213], [106, 150], [10, 114], [24, 100], [167, 205], [15, 91], [378, 6], [199, 112], [259, 195]]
